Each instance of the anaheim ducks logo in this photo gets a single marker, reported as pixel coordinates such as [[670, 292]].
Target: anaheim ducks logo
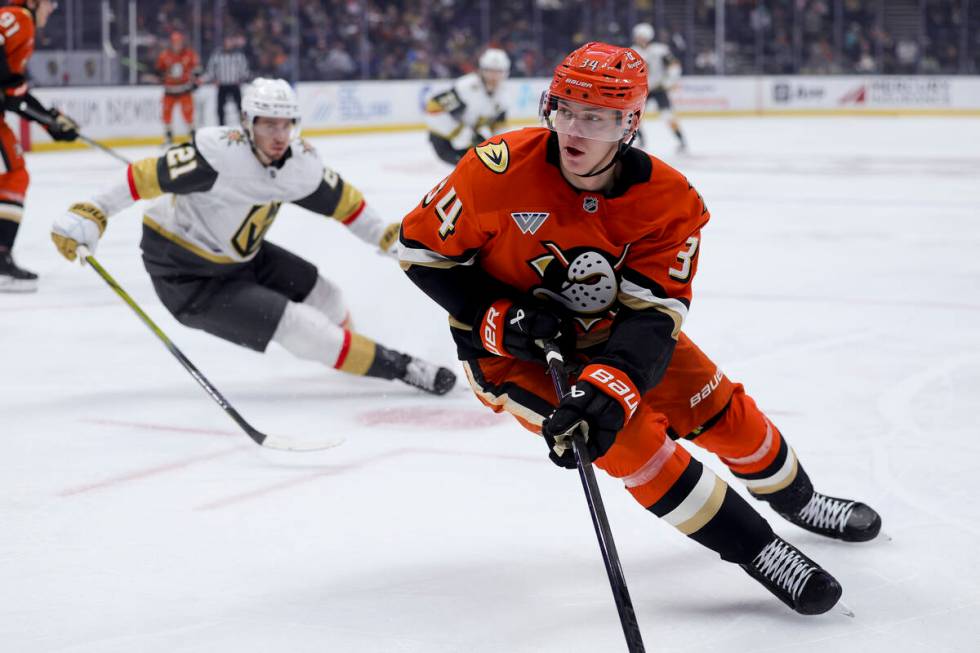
[[582, 279], [495, 156]]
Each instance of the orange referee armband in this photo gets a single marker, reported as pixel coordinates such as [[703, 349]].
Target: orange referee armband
[[614, 383]]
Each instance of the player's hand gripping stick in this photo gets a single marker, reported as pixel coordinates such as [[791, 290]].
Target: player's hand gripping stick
[[617, 581]]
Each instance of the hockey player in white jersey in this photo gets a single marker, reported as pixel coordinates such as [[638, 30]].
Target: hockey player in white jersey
[[471, 111], [663, 72], [203, 239]]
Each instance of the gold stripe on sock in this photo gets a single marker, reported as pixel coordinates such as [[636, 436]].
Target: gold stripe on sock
[[359, 356]]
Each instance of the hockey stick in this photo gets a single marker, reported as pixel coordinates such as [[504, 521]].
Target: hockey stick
[[47, 122], [269, 441], [627, 616]]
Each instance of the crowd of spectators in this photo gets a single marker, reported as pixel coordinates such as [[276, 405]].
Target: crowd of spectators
[[404, 39], [820, 37]]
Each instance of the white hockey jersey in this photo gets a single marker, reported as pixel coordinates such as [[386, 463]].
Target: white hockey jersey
[[663, 70], [215, 199], [466, 113]]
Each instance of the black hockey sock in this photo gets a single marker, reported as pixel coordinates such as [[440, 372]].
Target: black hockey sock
[[793, 497], [725, 522], [8, 233], [679, 135], [737, 532]]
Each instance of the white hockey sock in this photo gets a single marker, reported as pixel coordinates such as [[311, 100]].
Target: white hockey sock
[[306, 332], [328, 299]]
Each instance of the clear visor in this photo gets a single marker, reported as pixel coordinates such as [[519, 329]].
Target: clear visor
[[582, 120]]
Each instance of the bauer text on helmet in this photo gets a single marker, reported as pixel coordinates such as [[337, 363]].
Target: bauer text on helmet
[[600, 76]]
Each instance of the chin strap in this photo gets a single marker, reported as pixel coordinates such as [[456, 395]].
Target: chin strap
[[620, 151]]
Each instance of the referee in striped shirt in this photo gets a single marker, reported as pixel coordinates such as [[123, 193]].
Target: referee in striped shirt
[[229, 68]]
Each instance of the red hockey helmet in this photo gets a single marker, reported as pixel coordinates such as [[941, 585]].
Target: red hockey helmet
[[601, 75]]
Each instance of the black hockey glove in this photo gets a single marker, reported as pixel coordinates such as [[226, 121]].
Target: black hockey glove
[[61, 128], [514, 330], [600, 404]]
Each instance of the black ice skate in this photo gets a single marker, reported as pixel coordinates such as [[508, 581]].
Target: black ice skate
[[841, 519], [426, 376], [793, 578], [14, 278], [394, 365]]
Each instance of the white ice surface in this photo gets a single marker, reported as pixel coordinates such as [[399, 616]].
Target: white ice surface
[[839, 280]]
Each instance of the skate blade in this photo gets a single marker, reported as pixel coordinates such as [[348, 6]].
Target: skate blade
[[844, 609]]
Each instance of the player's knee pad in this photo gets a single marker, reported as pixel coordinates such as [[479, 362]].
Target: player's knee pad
[[741, 435], [328, 298], [307, 333]]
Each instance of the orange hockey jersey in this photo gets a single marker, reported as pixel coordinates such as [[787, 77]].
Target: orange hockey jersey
[[179, 70], [506, 224]]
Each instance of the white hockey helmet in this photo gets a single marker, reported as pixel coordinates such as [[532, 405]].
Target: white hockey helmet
[[643, 32], [269, 98], [495, 59]]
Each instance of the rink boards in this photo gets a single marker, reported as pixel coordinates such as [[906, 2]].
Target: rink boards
[[131, 115]]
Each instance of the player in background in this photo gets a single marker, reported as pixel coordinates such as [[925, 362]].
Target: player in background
[[204, 247], [568, 234], [18, 21], [663, 73], [180, 69], [471, 111]]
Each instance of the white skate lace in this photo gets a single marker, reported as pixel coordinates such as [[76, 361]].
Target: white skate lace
[[826, 512], [420, 374], [784, 566]]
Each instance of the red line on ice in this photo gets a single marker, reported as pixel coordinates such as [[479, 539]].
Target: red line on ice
[[340, 469], [148, 472]]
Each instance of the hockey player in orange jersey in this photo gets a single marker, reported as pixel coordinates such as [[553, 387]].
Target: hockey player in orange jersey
[[18, 20], [180, 67], [566, 233]]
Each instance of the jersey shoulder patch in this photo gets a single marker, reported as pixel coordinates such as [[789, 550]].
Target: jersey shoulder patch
[[219, 144], [495, 156]]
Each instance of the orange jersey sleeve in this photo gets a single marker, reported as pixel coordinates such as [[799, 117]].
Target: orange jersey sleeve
[[17, 38]]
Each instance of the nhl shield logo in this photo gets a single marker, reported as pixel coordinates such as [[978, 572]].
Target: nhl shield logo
[[529, 223], [590, 203]]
